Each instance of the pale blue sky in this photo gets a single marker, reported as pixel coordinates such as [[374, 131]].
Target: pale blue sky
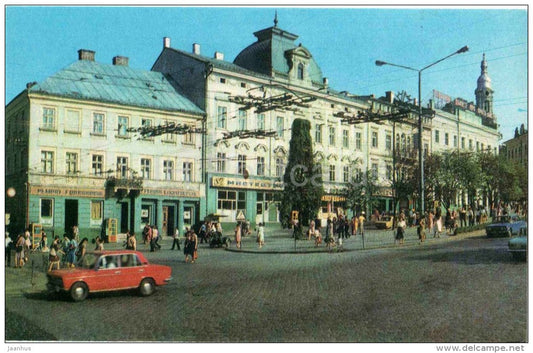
[[345, 43]]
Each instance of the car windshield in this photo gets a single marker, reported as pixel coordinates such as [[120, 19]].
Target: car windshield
[[502, 219], [88, 260]]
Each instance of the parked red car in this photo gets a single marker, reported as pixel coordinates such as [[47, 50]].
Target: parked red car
[[109, 271]]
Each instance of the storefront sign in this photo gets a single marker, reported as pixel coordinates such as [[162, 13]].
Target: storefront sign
[[333, 198], [66, 192], [170, 192], [235, 183]]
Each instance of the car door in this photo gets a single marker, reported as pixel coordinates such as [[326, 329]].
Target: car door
[[108, 274], [131, 270]]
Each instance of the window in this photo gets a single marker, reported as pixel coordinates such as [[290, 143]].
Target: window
[[146, 123], [188, 138], [231, 200], [72, 121], [260, 165], [49, 118], [477, 145], [454, 140], [242, 120], [462, 142], [279, 126], [261, 122], [168, 170], [96, 212], [388, 142], [300, 71], [222, 80], [241, 163], [123, 125], [331, 172], [47, 162], [446, 139], [222, 114], [389, 172], [358, 141], [72, 163], [374, 139], [221, 162], [346, 174], [97, 164], [98, 123], [318, 133], [437, 136], [122, 167], [279, 167], [146, 167], [243, 84], [47, 209], [470, 144], [187, 171], [374, 170], [345, 140], [332, 136]]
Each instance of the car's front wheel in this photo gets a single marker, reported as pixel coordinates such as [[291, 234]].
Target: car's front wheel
[[147, 287], [79, 291]]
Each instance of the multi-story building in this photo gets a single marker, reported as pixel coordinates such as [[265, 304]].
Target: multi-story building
[[72, 158], [269, 84], [515, 149], [70, 154]]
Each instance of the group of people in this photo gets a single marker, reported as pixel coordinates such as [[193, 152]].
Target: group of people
[[151, 235], [243, 228]]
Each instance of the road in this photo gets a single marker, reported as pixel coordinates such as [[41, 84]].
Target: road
[[454, 290]]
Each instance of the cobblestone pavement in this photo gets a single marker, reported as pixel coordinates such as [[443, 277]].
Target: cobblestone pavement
[[454, 289]]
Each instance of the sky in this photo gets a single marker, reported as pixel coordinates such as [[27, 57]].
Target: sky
[[345, 42]]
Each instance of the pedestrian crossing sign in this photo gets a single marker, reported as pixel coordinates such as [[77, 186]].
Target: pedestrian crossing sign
[[240, 216]]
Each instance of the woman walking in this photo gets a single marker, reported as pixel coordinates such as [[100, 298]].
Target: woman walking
[[400, 231], [261, 235], [238, 235], [19, 250]]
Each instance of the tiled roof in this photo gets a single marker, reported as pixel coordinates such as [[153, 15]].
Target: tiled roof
[[89, 80]]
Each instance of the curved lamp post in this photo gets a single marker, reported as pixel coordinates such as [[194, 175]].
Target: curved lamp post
[[420, 148]]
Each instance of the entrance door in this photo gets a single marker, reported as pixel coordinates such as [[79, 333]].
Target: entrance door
[[164, 229], [171, 220], [124, 217], [71, 215]]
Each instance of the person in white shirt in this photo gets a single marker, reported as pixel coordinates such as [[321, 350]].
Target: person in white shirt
[[176, 238]]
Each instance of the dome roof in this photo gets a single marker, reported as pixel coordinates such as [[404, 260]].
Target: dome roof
[[484, 81], [269, 55]]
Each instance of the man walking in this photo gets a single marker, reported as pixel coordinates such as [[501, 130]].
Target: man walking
[[176, 238]]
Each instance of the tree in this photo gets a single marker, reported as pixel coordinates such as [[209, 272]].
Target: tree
[[303, 188], [359, 192]]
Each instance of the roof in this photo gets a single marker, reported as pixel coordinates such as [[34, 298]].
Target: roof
[[268, 54], [89, 80]]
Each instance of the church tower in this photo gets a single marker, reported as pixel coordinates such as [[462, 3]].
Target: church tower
[[484, 92]]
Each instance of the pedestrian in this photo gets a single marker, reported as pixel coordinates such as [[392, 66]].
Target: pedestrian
[[261, 235], [176, 236], [318, 237], [361, 225], [99, 244], [27, 246], [146, 231], [311, 230], [238, 235], [9, 245], [44, 243], [438, 223], [150, 239], [187, 249], [328, 228], [19, 251], [82, 248], [202, 234], [71, 254], [157, 236], [53, 256], [131, 242], [470, 216], [355, 223], [194, 239], [422, 229], [462, 216], [76, 232], [400, 230]]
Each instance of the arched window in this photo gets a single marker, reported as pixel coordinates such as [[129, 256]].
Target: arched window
[[300, 71]]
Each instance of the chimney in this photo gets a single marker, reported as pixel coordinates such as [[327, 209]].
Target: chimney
[[120, 61], [431, 104], [219, 55], [166, 42], [325, 81], [390, 96], [84, 54], [196, 48]]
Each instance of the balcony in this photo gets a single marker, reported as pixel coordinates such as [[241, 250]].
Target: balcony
[[122, 187]]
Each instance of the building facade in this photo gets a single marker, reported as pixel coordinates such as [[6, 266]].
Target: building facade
[[73, 158]]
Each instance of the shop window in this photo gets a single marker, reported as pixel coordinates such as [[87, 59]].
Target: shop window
[[96, 212]]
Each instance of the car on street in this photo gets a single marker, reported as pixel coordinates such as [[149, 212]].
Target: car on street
[[505, 226], [109, 271], [384, 223], [518, 245]]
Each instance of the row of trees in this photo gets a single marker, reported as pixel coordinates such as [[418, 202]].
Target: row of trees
[[452, 177]]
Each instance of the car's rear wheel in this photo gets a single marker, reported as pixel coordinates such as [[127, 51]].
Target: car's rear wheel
[[147, 287], [79, 291]]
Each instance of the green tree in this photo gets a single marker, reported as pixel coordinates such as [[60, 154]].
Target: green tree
[[360, 192], [303, 187]]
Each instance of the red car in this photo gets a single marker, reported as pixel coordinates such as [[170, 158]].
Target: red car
[[109, 271]]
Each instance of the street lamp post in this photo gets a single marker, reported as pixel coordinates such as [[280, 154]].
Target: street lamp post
[[420, 127]]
